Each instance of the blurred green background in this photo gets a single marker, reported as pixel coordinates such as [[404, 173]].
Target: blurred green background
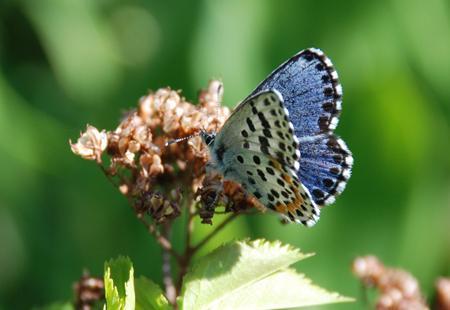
[[65, 63]]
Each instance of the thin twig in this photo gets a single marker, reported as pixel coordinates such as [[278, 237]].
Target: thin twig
[[187, 254], [171, 293], [191, 250], [108, 176], [214, 232], [190, 224], [165, 243]]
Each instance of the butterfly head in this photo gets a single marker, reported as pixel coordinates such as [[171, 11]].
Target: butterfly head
[[208, 137]]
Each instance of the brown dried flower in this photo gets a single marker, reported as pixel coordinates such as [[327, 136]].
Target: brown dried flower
[[159, 207], [398, 288], [91, 144]]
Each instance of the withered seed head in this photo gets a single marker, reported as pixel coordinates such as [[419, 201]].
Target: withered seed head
[[158, 207], [398, 288], [88, 290]]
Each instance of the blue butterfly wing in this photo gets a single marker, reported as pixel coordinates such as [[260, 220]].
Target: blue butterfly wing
[[312, 94], [325, 167]]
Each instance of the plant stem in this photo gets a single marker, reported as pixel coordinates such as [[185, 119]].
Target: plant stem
[[162, 240], [167, 268], [187, 254], [190, 251]]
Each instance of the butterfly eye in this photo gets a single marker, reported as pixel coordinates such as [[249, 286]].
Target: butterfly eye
[[208, 138]]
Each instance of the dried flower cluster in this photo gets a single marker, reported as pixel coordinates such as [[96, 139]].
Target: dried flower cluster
[[88, 290], [398, 289], [146, 170]]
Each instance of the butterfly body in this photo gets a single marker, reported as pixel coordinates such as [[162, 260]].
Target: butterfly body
[[279, 142]]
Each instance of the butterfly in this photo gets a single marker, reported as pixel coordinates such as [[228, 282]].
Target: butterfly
[[279, 142]]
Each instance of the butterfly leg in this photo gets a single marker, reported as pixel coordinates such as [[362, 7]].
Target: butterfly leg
[[210, 194]]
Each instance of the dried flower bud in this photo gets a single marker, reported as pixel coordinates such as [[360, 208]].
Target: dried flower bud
[[158, 207], [146, 107], [368, 268], [91, 144], [443, 293], [88, 290], [213, 94], [166, 100], [210, 194], [124, 189]]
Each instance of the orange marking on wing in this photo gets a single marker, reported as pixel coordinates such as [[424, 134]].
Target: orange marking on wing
[[287, 178], [276, 164], [294, 204], [298, 198], [281, 207]]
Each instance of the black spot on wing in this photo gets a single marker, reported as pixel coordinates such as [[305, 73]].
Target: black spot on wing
[[263, 120], [318, 193], [250, 124], [267, 133], [270, 171], [320, 67], [328, 183], [261, 175], [263, 141], [256, 159], [328, 91]]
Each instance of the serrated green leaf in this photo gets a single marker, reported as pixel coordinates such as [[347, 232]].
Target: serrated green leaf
[[281, 290], [232, 267], [149, 295], [119, 284]]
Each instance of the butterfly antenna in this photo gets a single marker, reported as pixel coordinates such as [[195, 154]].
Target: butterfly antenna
[[182, 139]]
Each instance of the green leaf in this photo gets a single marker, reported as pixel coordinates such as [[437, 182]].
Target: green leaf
[[251, 275], [119, 284], [281, 290], [149, 295]]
